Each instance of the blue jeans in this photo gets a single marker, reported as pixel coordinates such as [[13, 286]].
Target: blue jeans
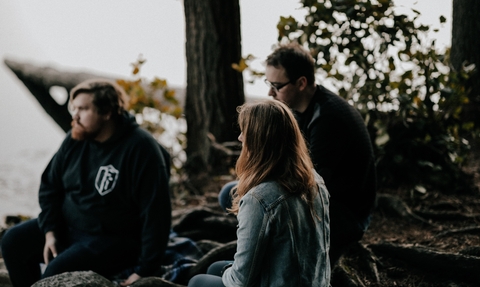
[[22, 250], [213, 278], [224, 197], [345, 227]]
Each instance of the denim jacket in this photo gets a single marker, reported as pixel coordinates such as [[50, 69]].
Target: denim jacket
[[279, 243]]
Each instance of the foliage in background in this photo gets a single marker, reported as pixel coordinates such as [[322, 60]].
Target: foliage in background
[[157, 109], [384, 64]]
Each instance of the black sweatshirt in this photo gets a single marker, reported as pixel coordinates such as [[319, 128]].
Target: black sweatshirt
[[341, 150], [119, 187]]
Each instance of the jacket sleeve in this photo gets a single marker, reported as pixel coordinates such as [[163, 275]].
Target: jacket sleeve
[[327, 144], [251, 244], [51, 193], [151, 174]]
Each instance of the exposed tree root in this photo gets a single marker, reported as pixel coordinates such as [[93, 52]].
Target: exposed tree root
[[452, 266], [470, 230], [391, 205], [446, 215], [342, 277]]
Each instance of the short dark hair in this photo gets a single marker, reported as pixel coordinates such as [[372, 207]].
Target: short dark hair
[[108, 96], [296, 61]]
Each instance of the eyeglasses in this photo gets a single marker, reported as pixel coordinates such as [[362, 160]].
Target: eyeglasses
[[277, 87]]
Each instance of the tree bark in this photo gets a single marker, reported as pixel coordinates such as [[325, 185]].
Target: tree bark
[[465, 47], [214, 89]]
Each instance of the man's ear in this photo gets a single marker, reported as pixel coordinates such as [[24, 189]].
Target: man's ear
[[107, 116], [302, 83]]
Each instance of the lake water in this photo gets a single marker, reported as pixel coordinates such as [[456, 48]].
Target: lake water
[[19, 182]]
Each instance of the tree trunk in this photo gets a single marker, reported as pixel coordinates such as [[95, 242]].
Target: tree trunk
[[465, 47], [214, 89]]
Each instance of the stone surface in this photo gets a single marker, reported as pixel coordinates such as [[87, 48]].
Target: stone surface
[[4, 278], [75, 279], [154, 282], [2, 264]]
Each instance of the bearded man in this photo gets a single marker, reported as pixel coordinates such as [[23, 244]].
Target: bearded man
[[104, 197]]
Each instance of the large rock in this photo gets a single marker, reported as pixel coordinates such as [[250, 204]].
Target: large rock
[[4, 278], [75, 279]]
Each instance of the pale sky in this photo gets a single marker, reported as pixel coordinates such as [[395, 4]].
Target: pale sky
[[105, 37]]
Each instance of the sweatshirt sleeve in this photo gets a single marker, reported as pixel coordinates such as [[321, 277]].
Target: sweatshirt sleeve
[[51, 193], [151, 177]]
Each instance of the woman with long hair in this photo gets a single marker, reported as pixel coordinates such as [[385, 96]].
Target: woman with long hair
[[281, 204]]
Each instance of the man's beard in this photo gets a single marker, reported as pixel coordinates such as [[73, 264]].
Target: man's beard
[[80, 133]]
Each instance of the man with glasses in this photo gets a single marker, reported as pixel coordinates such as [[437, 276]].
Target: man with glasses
[[339, 144], [338, 141]]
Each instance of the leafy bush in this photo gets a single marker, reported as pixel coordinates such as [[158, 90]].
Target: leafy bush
[[384, 64], [157, 109]]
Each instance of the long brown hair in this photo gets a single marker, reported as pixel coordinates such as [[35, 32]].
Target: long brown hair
[[273, 149]]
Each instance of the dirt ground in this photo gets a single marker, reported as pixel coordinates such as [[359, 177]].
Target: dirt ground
[[397, 230]]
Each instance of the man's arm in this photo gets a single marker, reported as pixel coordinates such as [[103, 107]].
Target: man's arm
[[51, 192], [151, 187], [50, 198]]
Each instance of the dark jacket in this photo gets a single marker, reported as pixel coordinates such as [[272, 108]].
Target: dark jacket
[[341, 150], [119, 187]]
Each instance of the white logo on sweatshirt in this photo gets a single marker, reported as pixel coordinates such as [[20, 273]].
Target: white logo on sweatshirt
[[106, 179]]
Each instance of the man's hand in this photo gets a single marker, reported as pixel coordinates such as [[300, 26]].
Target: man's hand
[[50, 249], [134, 277]]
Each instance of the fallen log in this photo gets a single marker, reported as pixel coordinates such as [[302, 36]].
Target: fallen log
[[39, 80], [460, 268]]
